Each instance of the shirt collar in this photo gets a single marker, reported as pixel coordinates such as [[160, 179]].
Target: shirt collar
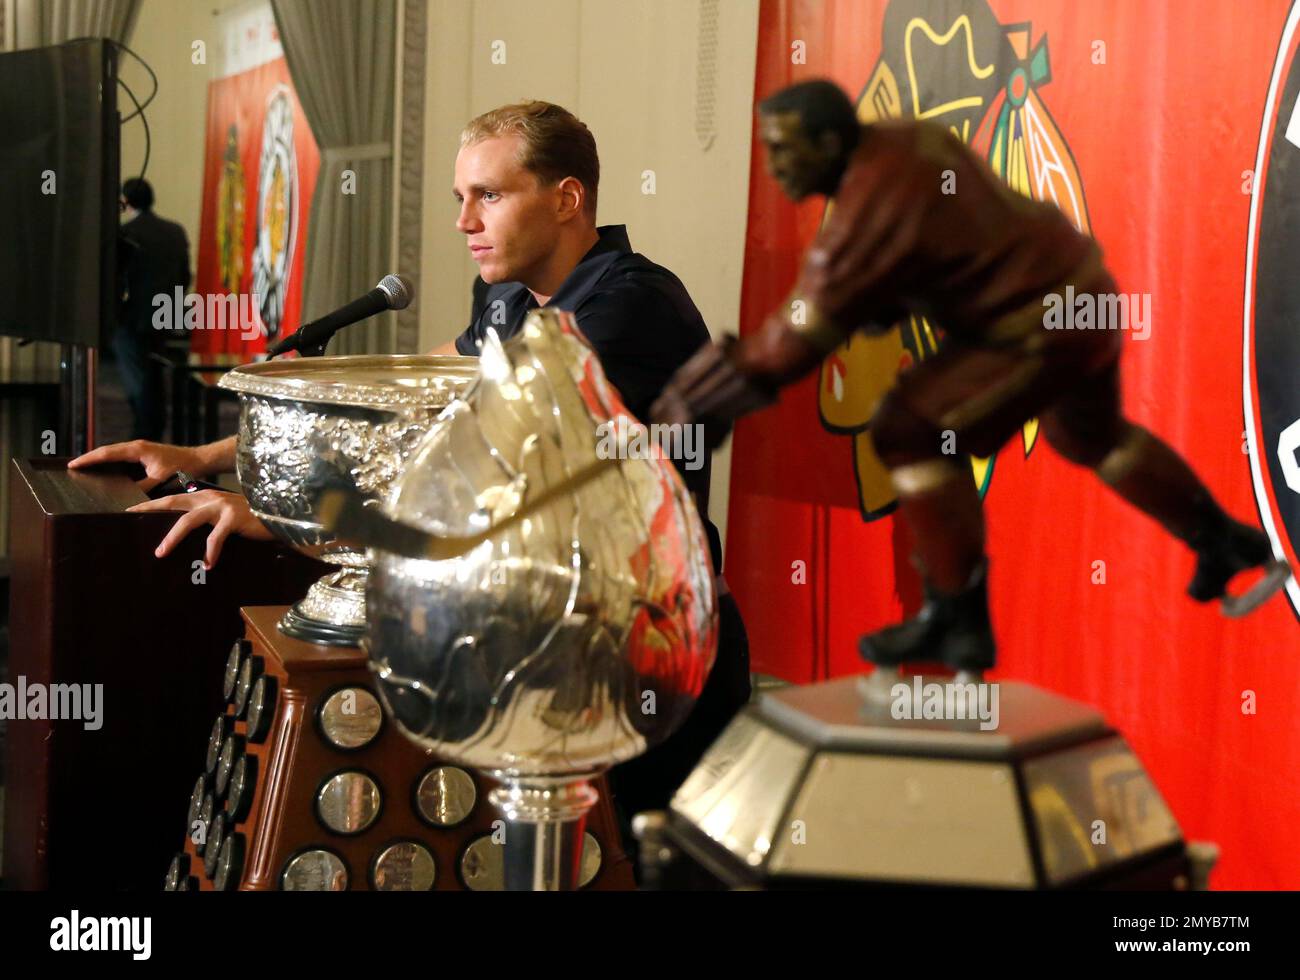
[[613, 242]]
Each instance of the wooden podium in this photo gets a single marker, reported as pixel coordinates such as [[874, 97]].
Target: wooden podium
[[90, 604], [308, 785]]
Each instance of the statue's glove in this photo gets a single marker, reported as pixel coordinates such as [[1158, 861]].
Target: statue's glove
[[711, 390]]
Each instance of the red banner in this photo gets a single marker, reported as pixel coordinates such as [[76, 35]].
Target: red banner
[[260, 171], [1151, 125]]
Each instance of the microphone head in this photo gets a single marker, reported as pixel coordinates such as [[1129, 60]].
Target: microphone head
[[398, 289]]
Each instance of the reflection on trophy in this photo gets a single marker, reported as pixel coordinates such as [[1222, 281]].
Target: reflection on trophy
[[310, 425], [578, 625]]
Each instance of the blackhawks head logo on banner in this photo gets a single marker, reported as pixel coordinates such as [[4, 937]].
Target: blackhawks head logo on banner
[[1271, 393], [277, 211], [953, 63]]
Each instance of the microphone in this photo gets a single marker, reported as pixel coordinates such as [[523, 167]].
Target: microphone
[[394, 292]]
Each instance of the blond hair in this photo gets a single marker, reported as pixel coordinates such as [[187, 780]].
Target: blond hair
[[556, 143]]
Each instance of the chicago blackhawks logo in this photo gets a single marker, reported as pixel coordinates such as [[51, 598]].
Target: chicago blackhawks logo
[[277, 211], [951, 62], [1271, 338]]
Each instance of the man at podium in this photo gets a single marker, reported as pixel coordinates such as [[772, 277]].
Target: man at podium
[[526, 178]]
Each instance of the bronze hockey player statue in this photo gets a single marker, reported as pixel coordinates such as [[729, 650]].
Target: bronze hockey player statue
[[921, 225]]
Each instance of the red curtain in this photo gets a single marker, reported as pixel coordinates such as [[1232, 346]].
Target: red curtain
[[1145, 124]]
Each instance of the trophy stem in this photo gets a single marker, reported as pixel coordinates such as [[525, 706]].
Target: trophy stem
[[545, 819]]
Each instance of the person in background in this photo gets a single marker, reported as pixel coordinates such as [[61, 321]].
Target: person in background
[[153, 260]]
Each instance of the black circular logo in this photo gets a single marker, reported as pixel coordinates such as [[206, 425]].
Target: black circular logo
[[1271, 374]]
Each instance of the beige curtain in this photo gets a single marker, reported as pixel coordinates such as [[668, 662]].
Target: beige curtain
[[41, 22], [341, 57], [34, 24]]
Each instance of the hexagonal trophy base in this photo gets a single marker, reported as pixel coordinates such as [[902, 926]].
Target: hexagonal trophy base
[[932, 783]]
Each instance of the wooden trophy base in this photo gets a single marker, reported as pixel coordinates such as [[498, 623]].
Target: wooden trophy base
[[309, 786]]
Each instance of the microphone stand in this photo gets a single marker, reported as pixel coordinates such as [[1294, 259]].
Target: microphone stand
[[312, 350], [316, 350]]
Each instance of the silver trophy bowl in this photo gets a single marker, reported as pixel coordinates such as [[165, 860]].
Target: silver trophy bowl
[[570, 640], [313, 424]]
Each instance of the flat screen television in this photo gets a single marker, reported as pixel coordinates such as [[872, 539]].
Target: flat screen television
[[59, 162]]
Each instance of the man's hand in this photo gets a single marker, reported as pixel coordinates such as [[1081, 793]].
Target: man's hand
[[228, 513], [161, 461], [711, 390]]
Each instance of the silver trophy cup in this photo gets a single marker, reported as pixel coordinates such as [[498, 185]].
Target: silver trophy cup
[[309, 425], [565, 642]]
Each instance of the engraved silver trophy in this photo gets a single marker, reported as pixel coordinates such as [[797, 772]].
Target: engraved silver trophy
[[314, 424], [528, 620]]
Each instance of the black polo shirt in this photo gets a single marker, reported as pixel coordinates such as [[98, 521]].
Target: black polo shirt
[[637, 316]]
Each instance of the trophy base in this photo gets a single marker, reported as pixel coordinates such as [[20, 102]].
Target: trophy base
[[922, 782], [333, 612], [434, 828], [301, 627]]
